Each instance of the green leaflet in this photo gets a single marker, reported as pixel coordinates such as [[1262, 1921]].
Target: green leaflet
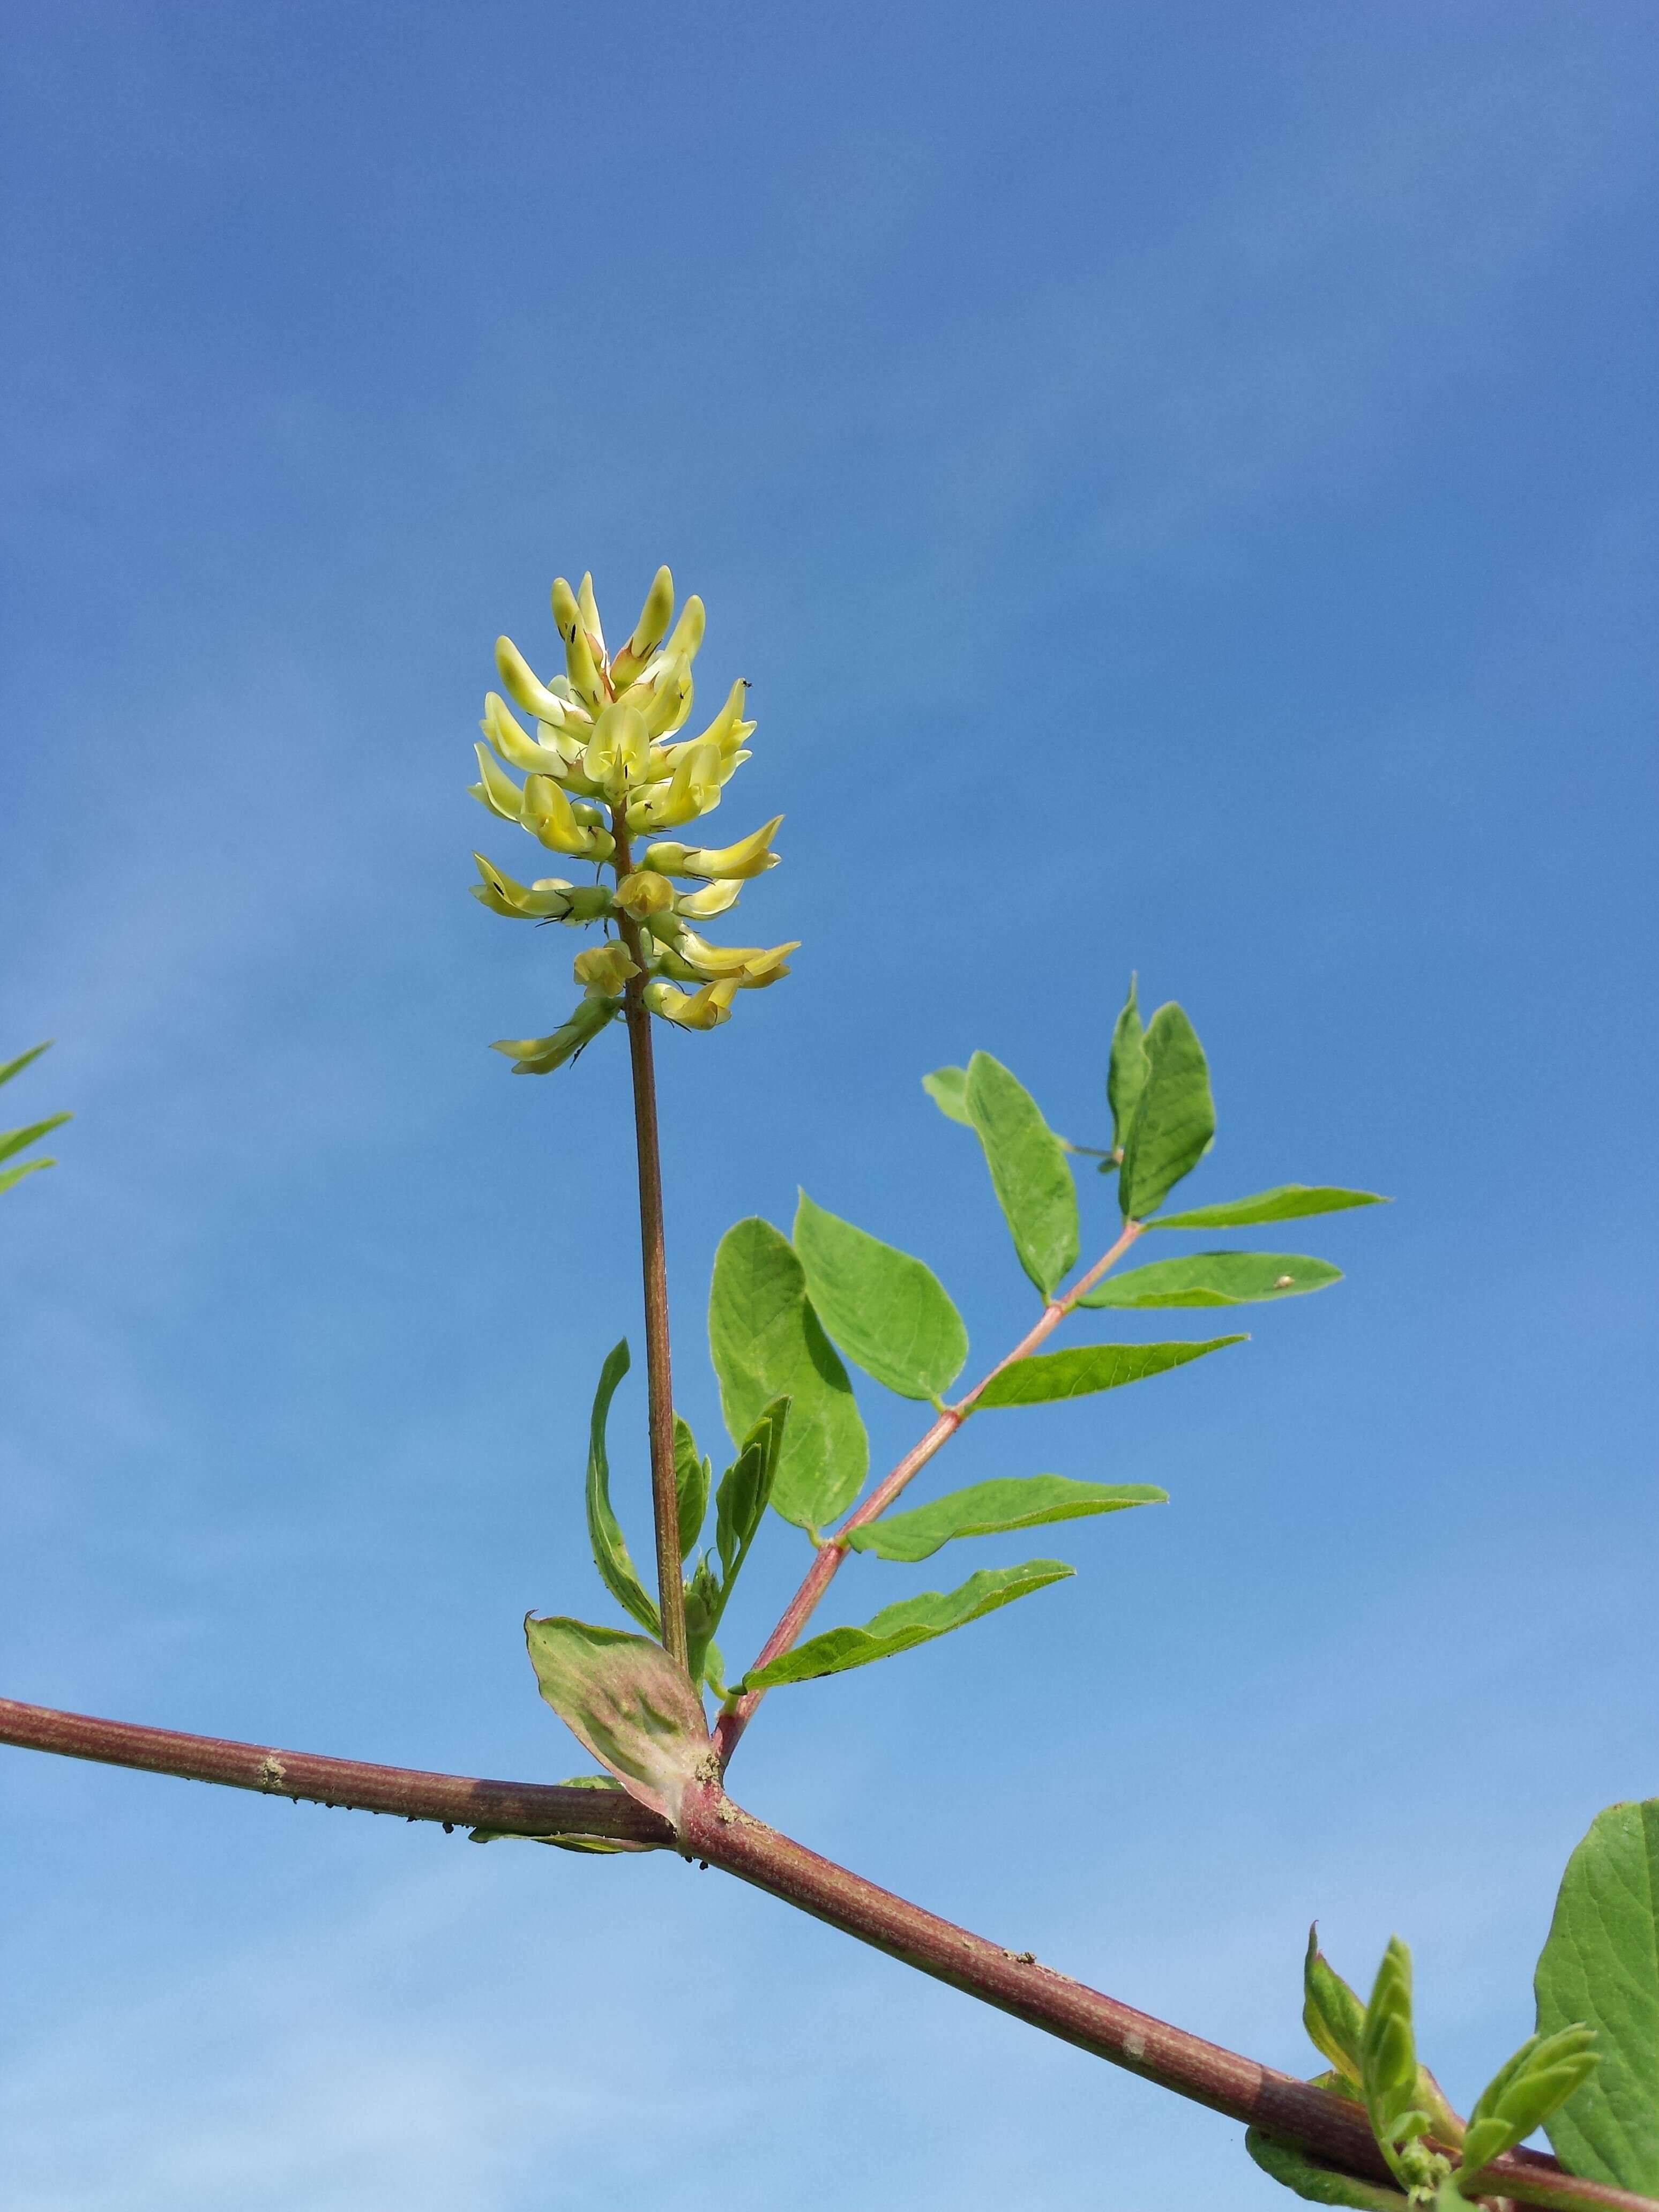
[[996, 1508], [1601, 1964], [888, 1312], [13, 1142], [745, 1491], [627, 1701], [1320, 2184], [691, 1481], [1174, 1121], [1084, 1368], [11, 1176], [1290, 1201], [604, 1534], [1028, 1172], [948, 1089], [1331, 2012], [767, 1342], [1126, 1073], [1215, 1278], [1526, 2090], [901, 1627]]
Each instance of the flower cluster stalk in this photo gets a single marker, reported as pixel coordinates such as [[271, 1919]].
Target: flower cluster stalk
[[653, 1257]]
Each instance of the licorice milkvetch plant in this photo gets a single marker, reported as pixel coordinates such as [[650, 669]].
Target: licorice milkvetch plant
[[609, 782]]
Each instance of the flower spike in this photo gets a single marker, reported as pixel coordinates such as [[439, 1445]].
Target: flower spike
[[604, 766]]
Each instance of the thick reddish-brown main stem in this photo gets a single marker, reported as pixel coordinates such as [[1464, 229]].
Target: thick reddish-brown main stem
[[714, 1829], [658, 1375], [822, 1573]]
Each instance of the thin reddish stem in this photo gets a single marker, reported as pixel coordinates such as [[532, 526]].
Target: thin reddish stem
[[660, 1386], [826, 1564], [714, 1829]]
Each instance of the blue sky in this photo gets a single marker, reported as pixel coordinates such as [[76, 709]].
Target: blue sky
[[1180, 479]]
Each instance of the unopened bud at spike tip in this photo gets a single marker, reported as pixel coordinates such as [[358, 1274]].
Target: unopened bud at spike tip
[[655, 616], [567, 615], [587, 607]]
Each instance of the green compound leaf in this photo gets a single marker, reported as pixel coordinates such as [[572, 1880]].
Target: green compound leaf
[[1320, 2184], [996, 1508], [1290, 1201], [1085, 1368], [888, 1312], [948, 1089], [627, 1702], [1331, 2012], [1028, 1172], [1524, 2093], [610, 1557], [1174, 1121], [1215, 1278], [767, 1342], [901, 1627], [1125, 1073], [692, 1476], [1601, 1965]]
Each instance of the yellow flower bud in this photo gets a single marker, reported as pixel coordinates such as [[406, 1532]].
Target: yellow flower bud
[[694, 789], [668, 702], [604, 969], [688, 631], [514, 745], [548, 814], [567, 615], [728, 729], [704, 1010], [749, 856], [540, 1056], [702, 906], [741, 961], [526, 686], [648, 631], [547, 901], [644, 893], [587, 607], [498, 792]]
